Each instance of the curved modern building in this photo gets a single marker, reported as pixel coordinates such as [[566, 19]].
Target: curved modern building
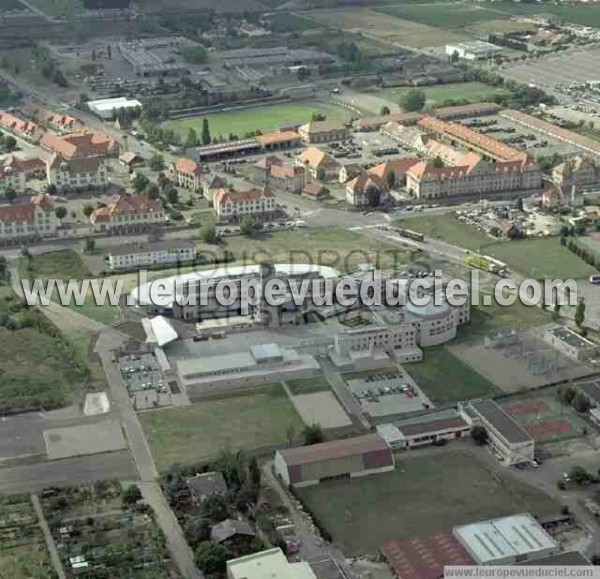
[[435, 323]]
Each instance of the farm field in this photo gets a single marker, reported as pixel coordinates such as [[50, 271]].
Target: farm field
[[437, 95], [23, 553], [447, 228], [267, 118], [424, 495], [540, 414], [62, 8], [259, 418], [449, 15], [280, 22], [12, 5], [586, 15], [387, 28], [446, 379]]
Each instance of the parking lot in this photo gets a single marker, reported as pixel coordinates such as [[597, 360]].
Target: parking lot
[[141, 372]]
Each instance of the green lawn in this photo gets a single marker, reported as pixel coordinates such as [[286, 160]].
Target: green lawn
[[447, 228], [540, 258], [308, 385], [267, 118], [446, 379], [281, 22], [591, 244], [438, 94], [258, 419], [63, 264], [423, 496], [448, 15]]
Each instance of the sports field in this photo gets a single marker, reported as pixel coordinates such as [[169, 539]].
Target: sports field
[[267, 118], [446, 379], [540, 414], [437, 95], [257, 419], [424, 495], [449, 15]]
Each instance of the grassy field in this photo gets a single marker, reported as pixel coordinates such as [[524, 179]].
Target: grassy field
[[388, 28], [447, 228], [197, 433], [267, 118], [592, 244], [23, 553], [285, 22], [540, 258], [586, 15], [437, 95], [423, 496], [446, 379], [62, 8], [308, 385], [444, 16], [64, 264], [331, 246]]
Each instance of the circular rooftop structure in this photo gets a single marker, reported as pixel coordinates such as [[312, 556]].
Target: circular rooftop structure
[[429, 311]]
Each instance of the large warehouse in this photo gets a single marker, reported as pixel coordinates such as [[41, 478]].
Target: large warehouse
[[352, 457]]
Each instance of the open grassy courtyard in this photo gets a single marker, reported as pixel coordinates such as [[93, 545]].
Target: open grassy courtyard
[[438, 95], [446, 379], [257, 419], [267, 118], [426, 494]]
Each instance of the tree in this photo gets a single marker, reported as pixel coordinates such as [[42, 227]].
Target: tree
[[320, 174], [88, 210], [212, 558], [313, 434], [205, 136], [152, 190], [580, 313], [90, 245], [290, 435], [191, 139], [10, 143], [140, 182], [108, 51], [131, 495], [580, 403], [565, 394], [437, 162], [196, 54], [303, 73], [172, 195], [254, 472], [373, 195], [208, 233], [51, 189], [385, 111], [196, 531], [413, 100], [247, 225], [157, 162], [391, 179], [60, 212], [519, 204], [479, 434], [214, 508], [10, 194], [454, 57], [580, 475]]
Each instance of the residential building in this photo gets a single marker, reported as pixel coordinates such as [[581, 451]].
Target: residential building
[[51, 119], [270, 564], [348, 171], [271, 171], [205, 485], [474, 50], [578, 170], [130, 159], [23, 129], [572, 344], [31, 166], [232, 533], [186, 173], [315, 190], [409, 136], [31, 220], [12, 178], [334, 460], [320, 165], [233, 205], [366, 190], [511, 443], [323, 132], [211, 185], [506, 541], [77, 145], [77, 174], [170, 251], [108, 108], [393, 171], [128, 213]]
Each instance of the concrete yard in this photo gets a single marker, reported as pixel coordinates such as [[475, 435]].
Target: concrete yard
[[106, 436], [321, 408]]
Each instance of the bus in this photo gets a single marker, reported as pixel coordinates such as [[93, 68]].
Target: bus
[[408, 233], [595, 278]]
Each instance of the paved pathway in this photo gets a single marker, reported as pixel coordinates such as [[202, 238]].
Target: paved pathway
[[48, 537]]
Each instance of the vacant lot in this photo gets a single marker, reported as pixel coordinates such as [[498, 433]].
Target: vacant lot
[[426, 494], [23, 553], [388, 28], [443, 16], [447, 228], [268, 118], [446, 379], [197, 433], [540, 258], [330, 246], [438, 95]]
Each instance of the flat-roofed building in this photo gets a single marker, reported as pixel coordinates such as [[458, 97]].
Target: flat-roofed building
[[270, 564], [323, 131], [336, 459], [507, 540], [572, 344], [474, 50], [170, 251], [279, 140], [509, 440], [108, 108]]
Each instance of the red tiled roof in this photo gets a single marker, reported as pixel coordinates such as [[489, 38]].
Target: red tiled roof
[[17, 125], [278, 137], [188, 167], [398, 166], [268, 161], [127, 204], [425, 558], [86, 144], [334, 449], [29, 165], [241, 196], [364, 181], [283, 172], [314, 189]]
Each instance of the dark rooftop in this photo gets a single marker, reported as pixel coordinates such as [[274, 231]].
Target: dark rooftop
[[501, 421], [206, 484]]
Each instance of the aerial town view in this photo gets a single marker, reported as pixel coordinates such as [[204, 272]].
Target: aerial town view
[[299, 289]]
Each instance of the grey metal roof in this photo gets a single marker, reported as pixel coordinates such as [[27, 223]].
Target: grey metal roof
[[230, 528], [501, 421], [167, 244], [569, 558], [206, 484]]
